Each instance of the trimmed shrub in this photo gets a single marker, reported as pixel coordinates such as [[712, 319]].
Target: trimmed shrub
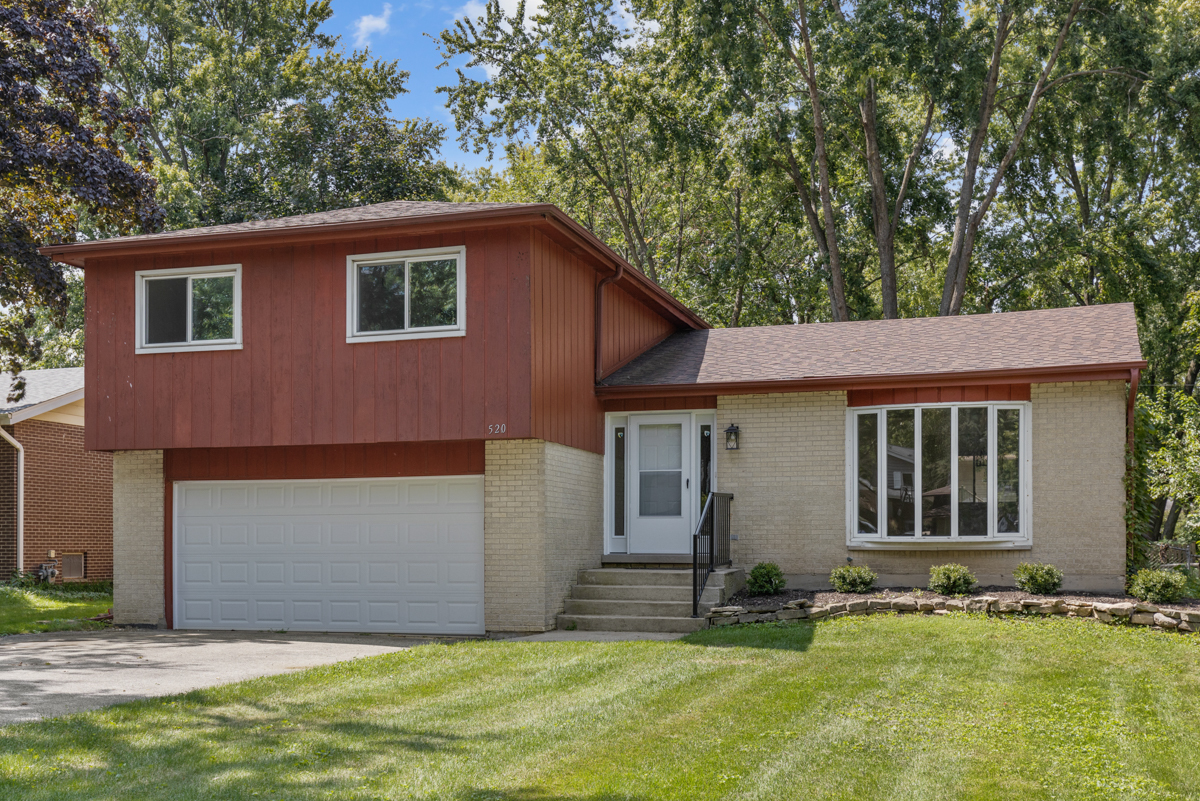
[[1037, 578], [1158, 586], [951, 579], [853, 578], [765, 579]]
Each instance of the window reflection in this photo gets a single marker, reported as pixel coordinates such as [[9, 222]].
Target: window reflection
[[901, 458], [868, 473], [1008, 471], [935, 472], [972, 472]]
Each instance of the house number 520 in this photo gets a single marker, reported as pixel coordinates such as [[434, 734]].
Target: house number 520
[[499, 428]]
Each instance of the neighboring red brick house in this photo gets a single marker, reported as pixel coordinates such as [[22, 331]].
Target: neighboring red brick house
[[55, 496], [437, 418]]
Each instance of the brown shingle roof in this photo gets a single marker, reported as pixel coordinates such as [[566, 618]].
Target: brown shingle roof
[[1086, 337], [393, 210]]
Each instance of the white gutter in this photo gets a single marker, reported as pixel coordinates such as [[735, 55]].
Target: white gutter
[[20, 499]]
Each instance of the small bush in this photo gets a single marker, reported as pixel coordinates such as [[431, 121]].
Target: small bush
[[1158, 586], [765, 579], [951, 579], [1037, 578], [853, 578]]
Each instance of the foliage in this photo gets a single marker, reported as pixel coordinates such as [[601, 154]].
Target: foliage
[[1158, 586], [951, 579], [594, 118], [1037, 578], [853, 578], [1173, 464], [255, 112], [765, 579], [71, 157], [62, 335]]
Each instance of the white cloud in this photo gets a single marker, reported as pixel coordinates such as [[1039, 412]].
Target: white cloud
[[473, 9], [369, 24]]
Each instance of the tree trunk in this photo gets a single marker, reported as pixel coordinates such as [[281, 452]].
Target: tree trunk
[[885, 229], [966, 194], [837, 284]]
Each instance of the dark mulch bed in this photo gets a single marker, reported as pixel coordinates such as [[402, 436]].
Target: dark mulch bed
[[820, 598]]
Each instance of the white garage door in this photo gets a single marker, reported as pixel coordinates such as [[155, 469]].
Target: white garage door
[[388, 555]]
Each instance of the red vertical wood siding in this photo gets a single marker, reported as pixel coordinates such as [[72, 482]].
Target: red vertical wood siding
[[629, 328], [660, 404], [379, 459], [959, 394], [296, 381], [562, 297]]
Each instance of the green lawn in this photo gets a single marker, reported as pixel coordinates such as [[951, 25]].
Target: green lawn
[[856, 708], [26, 610]]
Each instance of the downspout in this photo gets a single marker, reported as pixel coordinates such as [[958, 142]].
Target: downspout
[[20, 499], [600, 316]]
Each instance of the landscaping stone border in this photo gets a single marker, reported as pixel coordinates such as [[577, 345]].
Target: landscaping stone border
[[1137, 614]]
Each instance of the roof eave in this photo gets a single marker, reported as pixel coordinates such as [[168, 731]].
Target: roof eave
[[1118, 371], [12, 418], [77, 253]]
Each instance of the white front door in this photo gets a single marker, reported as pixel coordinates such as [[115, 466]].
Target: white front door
[[399, 555], [660, 483]]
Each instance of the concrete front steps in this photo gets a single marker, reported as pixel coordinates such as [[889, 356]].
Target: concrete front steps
[[644, 599]]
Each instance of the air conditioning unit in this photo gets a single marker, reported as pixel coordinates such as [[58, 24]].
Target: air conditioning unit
[[72, 566]]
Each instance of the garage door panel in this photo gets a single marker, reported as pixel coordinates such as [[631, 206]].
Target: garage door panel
[[395, 555]]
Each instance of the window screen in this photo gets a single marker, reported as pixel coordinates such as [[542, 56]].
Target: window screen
[[381, 297], [166, 310]]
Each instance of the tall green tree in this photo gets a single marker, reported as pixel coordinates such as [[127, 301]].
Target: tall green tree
[[71, 158], [860, 104], [253, 108]]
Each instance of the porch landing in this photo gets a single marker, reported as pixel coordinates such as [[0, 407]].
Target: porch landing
[[644, 599]]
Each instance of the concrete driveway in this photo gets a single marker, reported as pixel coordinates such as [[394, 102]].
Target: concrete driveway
[[46, 675]]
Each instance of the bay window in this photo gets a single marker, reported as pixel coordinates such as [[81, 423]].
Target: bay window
[[925, 475]]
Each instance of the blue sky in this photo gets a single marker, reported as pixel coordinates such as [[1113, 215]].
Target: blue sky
[[397, 30]]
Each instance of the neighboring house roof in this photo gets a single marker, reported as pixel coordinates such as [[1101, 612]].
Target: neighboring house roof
[[363, 220], [45, 391], [1053, 344]]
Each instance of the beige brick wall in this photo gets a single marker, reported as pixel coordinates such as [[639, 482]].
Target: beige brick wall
[[788, 480], [574, 520], [138, 538], [542, 524]]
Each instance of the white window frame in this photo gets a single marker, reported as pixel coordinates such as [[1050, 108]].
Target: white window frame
[[354, 261], [994, 540], [209, 271]]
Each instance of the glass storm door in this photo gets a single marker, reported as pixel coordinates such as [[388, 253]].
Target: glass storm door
[[660, 484]]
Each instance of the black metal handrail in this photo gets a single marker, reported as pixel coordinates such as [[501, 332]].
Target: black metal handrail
[[710, 543]]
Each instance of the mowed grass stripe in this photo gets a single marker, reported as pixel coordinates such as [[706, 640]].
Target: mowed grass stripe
[[962, 707]]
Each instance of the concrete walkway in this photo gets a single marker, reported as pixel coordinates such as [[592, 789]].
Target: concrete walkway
[[46, 675]]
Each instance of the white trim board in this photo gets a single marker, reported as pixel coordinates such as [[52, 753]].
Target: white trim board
[[12, 418]]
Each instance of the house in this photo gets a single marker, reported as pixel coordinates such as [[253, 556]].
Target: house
[[55, 496], [438, 418]]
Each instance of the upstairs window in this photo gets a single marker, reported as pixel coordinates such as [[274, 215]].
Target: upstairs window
[[927, 474], [405, 295], [190, 309]]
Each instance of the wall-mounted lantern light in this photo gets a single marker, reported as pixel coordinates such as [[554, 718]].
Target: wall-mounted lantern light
[[731, 437]]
